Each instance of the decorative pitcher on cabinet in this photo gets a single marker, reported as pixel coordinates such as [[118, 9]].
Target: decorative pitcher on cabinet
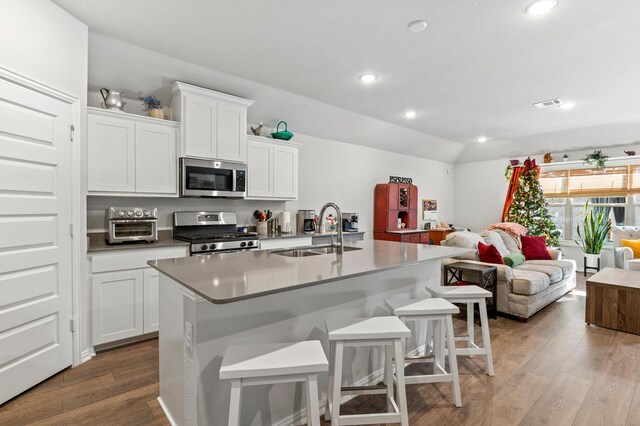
[[112, 99]]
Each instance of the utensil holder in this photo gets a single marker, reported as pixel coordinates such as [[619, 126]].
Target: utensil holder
[[261, 228]]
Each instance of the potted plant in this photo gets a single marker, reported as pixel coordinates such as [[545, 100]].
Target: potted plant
[[597, 158], [153, 106], [596, 227]]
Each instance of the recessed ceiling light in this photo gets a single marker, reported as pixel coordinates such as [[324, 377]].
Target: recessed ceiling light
[[368, 78], [417, 26], [568, 105], [482, 139], [541, 7], [410, 114]]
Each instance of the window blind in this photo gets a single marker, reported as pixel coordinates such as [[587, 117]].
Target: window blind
[[617, 181]]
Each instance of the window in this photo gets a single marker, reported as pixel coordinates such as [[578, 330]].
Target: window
[[615, 189]]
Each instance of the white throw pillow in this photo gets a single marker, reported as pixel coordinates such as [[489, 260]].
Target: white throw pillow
[[493, 238], [464, 240]]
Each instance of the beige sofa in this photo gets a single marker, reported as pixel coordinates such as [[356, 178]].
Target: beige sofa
[[525, 289]]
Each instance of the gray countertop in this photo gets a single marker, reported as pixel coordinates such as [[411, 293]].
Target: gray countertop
[[98, 242], [296, 235], [230, 277]]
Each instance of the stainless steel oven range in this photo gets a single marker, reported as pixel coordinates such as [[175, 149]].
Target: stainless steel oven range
[[212, 232], [131, 224]]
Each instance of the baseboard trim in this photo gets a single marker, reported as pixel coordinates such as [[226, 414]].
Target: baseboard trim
[[86, 355], [166, 412], [372, 379]]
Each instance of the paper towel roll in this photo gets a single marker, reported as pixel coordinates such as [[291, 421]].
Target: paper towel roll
[[285, 222]]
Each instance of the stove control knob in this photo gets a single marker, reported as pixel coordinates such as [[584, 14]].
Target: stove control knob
[[130, 213], [250, 243], [147, 213], [203, 247], [121, 213], [243, 244], [213, 246], [138, 213]]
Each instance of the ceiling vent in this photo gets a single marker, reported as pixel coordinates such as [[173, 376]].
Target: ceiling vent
[[547, 104]]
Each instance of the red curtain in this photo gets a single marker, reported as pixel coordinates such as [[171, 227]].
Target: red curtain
[[513, 185]]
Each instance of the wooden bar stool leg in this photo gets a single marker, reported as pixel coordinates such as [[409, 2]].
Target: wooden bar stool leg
[[313, 411], [453, 362], [332, 357], [470, 326], [402, 393], [234, 404], [337, 383], [388, 373], [486, 338]]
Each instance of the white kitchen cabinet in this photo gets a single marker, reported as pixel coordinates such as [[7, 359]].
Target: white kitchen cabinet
[[112, 152], [151, 300], [285, 171], [125, 292], [214, 124], [131, 154], [281, 243], [259, 169], [272, 169], [117, 305]]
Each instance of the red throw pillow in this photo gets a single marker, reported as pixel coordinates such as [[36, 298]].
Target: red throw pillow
[[535, 248], [489, 254]]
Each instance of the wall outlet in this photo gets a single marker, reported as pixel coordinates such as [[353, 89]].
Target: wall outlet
[[188, 334]]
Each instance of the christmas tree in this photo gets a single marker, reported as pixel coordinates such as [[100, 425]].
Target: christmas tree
[[529, 207]]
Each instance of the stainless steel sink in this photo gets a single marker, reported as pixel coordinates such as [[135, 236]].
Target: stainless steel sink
[[332, 250], [296, 253]]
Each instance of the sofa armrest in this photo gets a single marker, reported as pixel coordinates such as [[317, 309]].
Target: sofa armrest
[[622, 255], [555, 254]]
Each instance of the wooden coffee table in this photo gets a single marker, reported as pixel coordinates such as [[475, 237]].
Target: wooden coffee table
[[613, 300]]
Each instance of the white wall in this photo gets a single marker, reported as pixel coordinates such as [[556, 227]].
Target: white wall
[[480, 189], [43, 42]]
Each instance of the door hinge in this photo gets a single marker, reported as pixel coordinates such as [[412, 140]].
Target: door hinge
[[71, 229], [72, 325], [72, 133]]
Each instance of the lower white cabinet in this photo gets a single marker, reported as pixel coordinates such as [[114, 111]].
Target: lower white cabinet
[[125, 292], [151, 300], [117, 305]]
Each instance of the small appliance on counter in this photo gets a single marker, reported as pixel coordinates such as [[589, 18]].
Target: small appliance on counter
[[212, 232], [350, 222], [131, 224], [306, 221]]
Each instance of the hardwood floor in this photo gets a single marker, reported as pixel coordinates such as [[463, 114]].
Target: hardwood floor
[[553, 370]]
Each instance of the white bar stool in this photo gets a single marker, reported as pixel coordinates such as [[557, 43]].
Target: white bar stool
[[439, 312], [375, 331], [471, 294], [252, 365]]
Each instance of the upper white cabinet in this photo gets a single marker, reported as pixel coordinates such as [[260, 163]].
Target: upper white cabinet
[[131, 154], [272, 169], [214, 124]]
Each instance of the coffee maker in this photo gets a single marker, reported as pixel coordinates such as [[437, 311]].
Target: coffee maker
[[350, 222], [306, 221]]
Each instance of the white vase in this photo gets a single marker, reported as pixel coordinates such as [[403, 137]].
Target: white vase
[[261, 228], [592, 260]]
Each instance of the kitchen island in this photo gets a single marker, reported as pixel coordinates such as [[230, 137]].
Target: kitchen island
[[210, 302]]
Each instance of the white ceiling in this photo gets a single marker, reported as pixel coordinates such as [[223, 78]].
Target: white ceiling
[[476, 70]]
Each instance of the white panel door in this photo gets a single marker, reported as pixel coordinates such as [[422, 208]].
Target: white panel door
[[232, 131], [117, 305], [35, 243], [285, 171], [156, 162], [260, 169], [111, 152], [151, 300], [201, 123]]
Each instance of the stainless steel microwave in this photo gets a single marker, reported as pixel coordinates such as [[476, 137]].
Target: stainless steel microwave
[[212, 178]]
